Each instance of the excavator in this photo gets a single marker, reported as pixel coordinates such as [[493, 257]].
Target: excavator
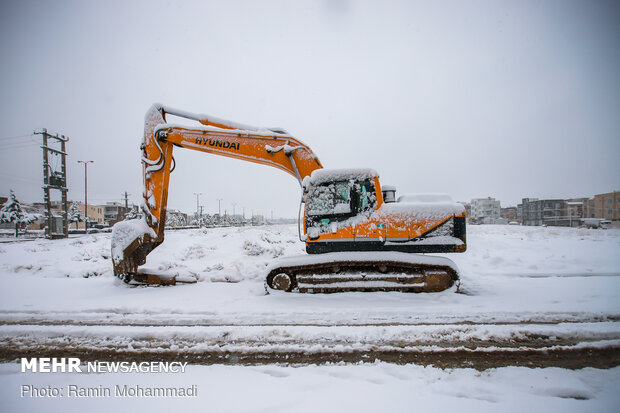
[[358, 236]]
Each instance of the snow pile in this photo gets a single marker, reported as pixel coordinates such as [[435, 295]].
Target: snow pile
[[226, 255], [76, 257]]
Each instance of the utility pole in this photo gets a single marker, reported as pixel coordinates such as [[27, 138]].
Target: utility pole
[[200, 218], [197, 197], [53, 179], [85, 192], [126, 200], [219, 206]]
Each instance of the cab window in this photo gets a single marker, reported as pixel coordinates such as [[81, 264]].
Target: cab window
[[366, 199], [330, 199]]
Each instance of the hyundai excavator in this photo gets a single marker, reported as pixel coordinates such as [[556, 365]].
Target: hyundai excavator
[[357, 235]]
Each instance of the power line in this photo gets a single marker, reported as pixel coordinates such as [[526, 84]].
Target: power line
[[24, 142], [8, 175], [14, 137], [19, 145], [22, 181]]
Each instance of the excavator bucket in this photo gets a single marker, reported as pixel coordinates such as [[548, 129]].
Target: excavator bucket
[[131, 242]]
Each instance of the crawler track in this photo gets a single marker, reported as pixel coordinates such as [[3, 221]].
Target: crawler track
[[364, 272]]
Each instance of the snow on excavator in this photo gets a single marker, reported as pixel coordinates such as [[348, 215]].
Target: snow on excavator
[[358, 236]]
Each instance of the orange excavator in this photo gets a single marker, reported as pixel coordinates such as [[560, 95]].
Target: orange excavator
[[359, 237]]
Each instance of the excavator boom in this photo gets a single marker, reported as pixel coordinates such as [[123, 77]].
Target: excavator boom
[[131, 240]]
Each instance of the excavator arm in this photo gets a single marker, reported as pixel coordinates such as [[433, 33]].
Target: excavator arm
[[133, 240]]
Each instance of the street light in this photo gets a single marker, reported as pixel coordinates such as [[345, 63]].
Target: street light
[[86, 192], [198, 215]]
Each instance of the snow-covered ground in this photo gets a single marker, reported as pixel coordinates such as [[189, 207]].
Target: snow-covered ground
[[376, 387], [509, 273], [521, 287]]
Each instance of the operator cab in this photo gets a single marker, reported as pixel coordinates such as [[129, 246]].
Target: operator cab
[[339, 194]]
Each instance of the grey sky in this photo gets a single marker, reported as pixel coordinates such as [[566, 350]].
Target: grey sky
[[478, 98]]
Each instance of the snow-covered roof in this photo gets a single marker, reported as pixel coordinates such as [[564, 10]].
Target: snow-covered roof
[[423, 206], [422, 210], [388, 187], [320, 176]]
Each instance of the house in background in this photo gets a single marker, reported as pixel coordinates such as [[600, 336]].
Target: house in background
[[485, 210], [114, 212]]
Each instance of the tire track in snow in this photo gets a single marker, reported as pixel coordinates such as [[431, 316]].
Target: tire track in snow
[[205, 319], [574, 345]]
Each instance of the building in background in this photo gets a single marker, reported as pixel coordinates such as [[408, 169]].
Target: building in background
[[520, 213], [575, 210], [552, 212], [485, 210], [467, 207], [605, 206], [96, 217], [528, 214], [588, 208], [115, 212], [509, 213]]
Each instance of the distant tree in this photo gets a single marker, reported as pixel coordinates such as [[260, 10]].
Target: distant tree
[[174, 219], [207, 220], [74, 214], [12, 211], [133, 214], [170, 219]]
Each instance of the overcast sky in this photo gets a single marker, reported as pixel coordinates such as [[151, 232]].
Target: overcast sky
[[477, 98]]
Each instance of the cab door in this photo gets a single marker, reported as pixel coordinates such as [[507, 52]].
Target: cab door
[[367, 228]]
